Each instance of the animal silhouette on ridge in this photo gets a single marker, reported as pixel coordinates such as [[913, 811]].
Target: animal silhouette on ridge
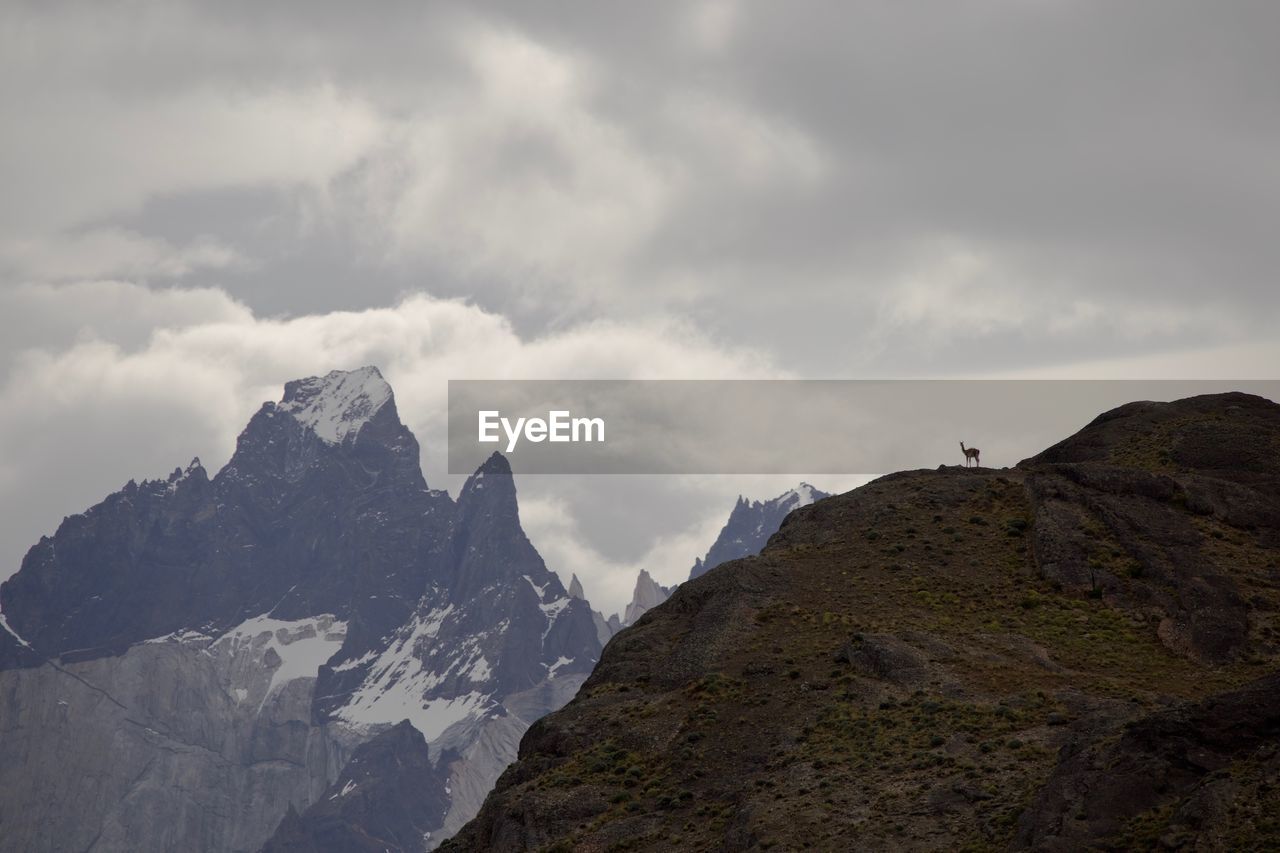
[[969, 453]]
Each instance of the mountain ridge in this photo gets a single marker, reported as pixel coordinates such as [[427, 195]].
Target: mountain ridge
[[750, 525], [944, 658]]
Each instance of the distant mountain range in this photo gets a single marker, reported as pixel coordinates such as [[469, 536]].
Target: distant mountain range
[[309, 650], [747, 531], [216, 652], [750, 525]]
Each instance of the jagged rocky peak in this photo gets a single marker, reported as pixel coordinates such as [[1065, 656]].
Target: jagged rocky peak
[[648, 594], [802, 495], [748, 529], [344, 422], [750, 525], [195, 469], [311, 595], [575, 589], [337, 405], [491, 485], [205, 554]]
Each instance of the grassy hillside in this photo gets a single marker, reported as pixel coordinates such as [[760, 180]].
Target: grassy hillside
[[953, 659]]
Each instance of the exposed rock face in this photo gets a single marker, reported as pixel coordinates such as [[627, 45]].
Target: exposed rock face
[[222, 644], [884, 656], [390, 796], [181, 744], [750, 525], [1059, 656], [1195, 764], [605, 628]]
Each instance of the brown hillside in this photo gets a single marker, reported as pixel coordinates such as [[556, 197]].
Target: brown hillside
[[953, 659]]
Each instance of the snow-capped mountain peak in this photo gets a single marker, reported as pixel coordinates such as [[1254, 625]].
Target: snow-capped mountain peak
[[314, 585], [337, 405], [802, 495], [750, 525]]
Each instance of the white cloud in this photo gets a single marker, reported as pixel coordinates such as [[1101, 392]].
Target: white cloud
[[956, 292], [79, 155], [111, 253], [104, 404], [513, 174], [710, 25], [744, 149]]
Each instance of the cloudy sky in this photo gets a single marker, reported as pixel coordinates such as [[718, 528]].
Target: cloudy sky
[[201, 202]]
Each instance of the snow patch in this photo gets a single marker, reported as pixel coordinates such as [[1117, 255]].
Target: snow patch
[[303, 645], [804, 495], [551, 670], [552, 611], [336, 406], [430, 717], [185, 635], [355, 662], [4, 623], [397, 684], [479, 671]]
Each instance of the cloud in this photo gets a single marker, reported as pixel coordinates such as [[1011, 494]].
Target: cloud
[[111, 253], [512, 174], [554, 526], [79, 156], [784, 178], [51, 317], [129, 382], [958, 293]]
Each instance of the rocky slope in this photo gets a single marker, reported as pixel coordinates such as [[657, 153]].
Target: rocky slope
[[1077, 651], [748, 529], [183, 663], [750, 525]]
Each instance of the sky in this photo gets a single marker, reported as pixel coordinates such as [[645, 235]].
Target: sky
[[202, 201]]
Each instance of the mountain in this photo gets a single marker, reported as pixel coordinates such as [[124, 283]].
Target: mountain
[[647, 595], [389, 797], [212, 651], [750, 525], [1080, 652], [605, 628]]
